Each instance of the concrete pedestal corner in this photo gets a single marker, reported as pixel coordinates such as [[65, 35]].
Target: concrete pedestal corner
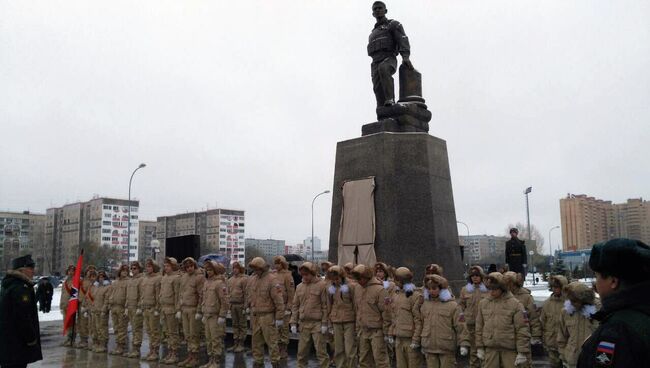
[[414, 203]]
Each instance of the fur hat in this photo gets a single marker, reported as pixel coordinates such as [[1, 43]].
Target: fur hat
[[309, 267], [123, 267], [433, 269], [437, 280], [384, 267], [258, 263], [90, 268], [187, 261], [238, 265], [626, 259], [281, 261], [557, 281], [328, 264], [362, 271], [403, 274], [335, 271], [579, 292], [71, 267], [510, 279], [498, 279], [348, 267], [475, 270], [154, 265], [136, 264], [102, 273], [172, 262], [217, 267]]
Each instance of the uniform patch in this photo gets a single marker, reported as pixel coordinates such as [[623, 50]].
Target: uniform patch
[[525, 316], [605, 352], [461, 317], [25, 298], [387, 300], [278, 288]]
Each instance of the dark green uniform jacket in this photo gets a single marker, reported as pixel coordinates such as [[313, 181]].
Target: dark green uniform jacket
[[623, 338], [20, 339]]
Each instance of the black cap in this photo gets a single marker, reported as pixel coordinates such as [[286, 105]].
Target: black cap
[[514, 230], [24, 261], [624, 258]]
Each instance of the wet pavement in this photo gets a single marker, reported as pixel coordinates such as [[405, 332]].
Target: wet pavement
[[55, 355]]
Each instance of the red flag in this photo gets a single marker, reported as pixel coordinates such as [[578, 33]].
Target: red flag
[[73, 302]]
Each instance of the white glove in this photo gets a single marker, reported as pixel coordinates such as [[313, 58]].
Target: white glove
[[414, 345], [178, 315], [521, 359], [155, 313], [204, 319], [126, 312], [247, 311], [480, 353], [464, 351], [198, 316], [294, 329], [138, 312], [331, 330], [83, 310], [85, 314], [565, 365], [389, 340], [525, 265], [279, 323], [535, 341], [221, 321], [323, 329], [287, 313]]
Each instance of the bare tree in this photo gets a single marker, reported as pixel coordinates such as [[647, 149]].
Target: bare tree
[[536, 235]]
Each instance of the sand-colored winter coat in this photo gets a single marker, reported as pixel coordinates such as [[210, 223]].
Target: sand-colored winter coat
[[150, 291], [237, 288], [191, 289], [340, 303], [373, 306], [442, 327], [265, 295], [470, 296], [574, 329], [405, 313], [285, 280], [310, 302], [501, 324], [215, 297], [526, 299], [133, 291], [118, 292], [549, 319], [169, 291], [101, 295]]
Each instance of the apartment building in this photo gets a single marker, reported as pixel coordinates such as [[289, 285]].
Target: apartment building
[[21, 233]]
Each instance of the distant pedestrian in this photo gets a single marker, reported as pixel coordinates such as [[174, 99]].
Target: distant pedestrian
[[44, 292], [20, 338], [622, 268], [516, 253]]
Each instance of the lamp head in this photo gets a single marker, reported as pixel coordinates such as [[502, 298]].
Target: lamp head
[[142, 165]]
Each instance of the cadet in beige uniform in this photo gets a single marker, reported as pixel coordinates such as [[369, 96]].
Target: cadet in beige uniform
[[117, 301], [150, 306], [84, 320], [310, 312], [550, 318], [214, 308], [191, 290], [169, 292], [406, 302], [443, 326], [285, 279], [266, 301], [373, 318], [66, 290], [515, 282], [237, 290], [342, 317], [101, 290], [576, 323], [470, 295], [502, 330], [133, 311]]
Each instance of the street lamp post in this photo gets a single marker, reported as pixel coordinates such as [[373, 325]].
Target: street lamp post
[[526, 192], [312, 222], [128, 226], [550, 243], [462, 250]]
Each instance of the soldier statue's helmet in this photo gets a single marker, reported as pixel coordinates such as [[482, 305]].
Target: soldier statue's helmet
[[626, 259], [514, 230], [476, 270], [434, 269], [137, 264], [236, 264], [558, 281], [580, 293], [335, 271], [281, 261], [362, 272], [154, 265], [257, 263], [403, 274], [496, 280], [216, 267], [437, 280], [312, 268], [172, 262]]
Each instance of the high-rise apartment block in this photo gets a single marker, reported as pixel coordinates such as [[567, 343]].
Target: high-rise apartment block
[[269, 247], [480, 248], [220, 231], [101, 221], [316, 243], [587, 220], [146, 236], [21, 233]]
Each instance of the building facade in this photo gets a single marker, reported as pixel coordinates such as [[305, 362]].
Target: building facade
[[484, 248], [269, 247], [22, 233], [100, 221], [220, 231], [316, 244], [587, 220], [146, 237]]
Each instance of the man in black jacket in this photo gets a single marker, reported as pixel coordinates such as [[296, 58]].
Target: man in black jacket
[[516, 253], [44, 292], [622, 268], [20, 340]]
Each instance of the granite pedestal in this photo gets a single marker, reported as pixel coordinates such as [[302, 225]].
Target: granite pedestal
[[414, 203]]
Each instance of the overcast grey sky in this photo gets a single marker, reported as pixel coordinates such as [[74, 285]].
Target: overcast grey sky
[[239, 104]]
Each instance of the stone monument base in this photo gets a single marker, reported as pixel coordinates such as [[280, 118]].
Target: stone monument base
[[414, 203]]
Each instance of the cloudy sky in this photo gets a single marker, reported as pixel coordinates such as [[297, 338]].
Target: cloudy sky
[[239, 104]]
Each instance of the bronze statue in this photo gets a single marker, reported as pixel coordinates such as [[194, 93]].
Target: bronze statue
[[386, 40]]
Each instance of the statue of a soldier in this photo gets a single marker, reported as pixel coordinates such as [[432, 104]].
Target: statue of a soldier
[[386, 40]]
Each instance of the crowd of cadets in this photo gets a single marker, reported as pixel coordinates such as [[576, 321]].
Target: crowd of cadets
[[366, 316]]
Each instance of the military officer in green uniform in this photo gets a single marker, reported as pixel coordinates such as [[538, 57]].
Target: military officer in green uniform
[[386, 40], [622, 268], [20, 340]]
